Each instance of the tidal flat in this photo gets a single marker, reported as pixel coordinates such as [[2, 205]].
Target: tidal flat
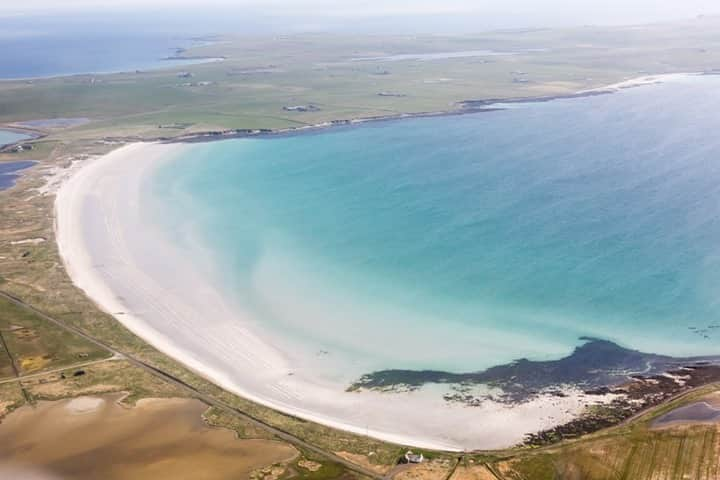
[[97, 437]]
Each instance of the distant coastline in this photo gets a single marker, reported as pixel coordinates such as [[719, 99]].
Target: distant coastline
[[178, 62], [465, 107], [113, 56]]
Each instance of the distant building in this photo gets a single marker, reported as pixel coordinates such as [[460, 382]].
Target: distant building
[[411, 457], [21, 148], [196, 84], [301, 108]]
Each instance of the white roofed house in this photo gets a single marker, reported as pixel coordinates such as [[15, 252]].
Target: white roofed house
[[411, 457]]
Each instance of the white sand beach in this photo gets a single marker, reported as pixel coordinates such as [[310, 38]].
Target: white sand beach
[[152, 286], [641, 81]]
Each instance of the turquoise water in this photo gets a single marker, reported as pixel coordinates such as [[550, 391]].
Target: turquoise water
[[463, 242]]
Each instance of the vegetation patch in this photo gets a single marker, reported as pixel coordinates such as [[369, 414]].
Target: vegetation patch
[[35, 345]]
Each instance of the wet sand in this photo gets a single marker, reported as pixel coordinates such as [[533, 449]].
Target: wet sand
[[92, 438]]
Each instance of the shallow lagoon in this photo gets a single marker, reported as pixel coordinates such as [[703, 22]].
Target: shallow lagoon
[[8, 170], [7, 137]]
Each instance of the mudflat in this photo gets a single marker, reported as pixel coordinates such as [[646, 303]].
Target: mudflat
[[95, 437]]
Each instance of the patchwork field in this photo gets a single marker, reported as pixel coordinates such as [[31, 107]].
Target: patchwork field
[[683, 453], [30, 345]]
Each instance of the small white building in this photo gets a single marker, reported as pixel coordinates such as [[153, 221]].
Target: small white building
[[411, 457]]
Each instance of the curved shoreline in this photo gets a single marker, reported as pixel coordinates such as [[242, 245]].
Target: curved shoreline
[[150, 295], [79, 266], [173, 306]]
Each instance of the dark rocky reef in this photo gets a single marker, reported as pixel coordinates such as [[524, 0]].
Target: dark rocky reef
[[598, 367], [635, 396], [593, 365]]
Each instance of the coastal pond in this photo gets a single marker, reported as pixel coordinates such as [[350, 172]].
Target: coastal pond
[[704, 411], [433, 56], [10, 136], [96, 437], [700, 412], [9, 172], [52, 123]]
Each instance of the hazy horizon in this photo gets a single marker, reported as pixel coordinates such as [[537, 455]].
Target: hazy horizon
[[368, 16]]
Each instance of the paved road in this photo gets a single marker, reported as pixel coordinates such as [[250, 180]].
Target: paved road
[[4, 346], [16, 370], [61, 369], [286, 436]]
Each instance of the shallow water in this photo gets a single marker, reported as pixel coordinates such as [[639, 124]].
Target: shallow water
[[8, 170], [67, 440], [7, 137], [463, 242], [699, 412]]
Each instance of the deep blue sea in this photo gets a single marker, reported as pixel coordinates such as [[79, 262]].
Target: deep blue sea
[[33, 53], [462, 242]]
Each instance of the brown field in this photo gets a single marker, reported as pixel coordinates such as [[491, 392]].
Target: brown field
[[431, 469], [364, 460], [472, 472]]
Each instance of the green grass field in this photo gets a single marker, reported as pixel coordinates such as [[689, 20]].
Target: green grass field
[[35, 346], [677, 454], [261, 75]]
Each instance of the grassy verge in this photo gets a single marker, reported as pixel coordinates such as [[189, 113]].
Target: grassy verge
[[34, 346]]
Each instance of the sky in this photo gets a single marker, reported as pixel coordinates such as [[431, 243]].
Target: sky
[[441, 15], [577, 8]]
